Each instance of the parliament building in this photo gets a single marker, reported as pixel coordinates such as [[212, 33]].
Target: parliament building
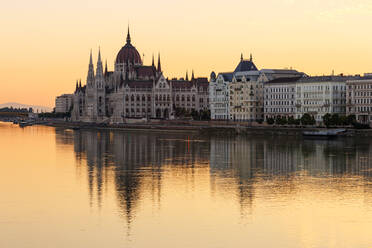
[[134, 91]]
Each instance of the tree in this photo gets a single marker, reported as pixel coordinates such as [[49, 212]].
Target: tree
[[270, 120], [335, 120], [327, 119], [307, 119]]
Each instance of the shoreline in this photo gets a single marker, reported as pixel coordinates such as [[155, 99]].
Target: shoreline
[[206, 128]]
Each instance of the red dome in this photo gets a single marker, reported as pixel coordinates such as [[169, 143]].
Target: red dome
[[128, 53]]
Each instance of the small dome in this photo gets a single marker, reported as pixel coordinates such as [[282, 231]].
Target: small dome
[[128, 53], [213, 76]]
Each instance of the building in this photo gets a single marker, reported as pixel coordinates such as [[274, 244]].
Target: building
[[190, 95], [245, 93], [134, 91], [239, 95], [219, 95], [318, 96], [280, 97], [359, 99], [64, 103]]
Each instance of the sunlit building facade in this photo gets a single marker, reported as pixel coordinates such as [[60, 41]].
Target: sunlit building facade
[[359, 99], [134, 91]]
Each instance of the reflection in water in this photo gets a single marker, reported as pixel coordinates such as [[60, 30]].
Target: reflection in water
[[234, 163], [252, 171]]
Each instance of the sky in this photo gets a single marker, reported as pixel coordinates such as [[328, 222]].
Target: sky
[[45, 44]]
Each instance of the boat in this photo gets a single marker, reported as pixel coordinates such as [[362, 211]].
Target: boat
[[25, 123], [329, 133]]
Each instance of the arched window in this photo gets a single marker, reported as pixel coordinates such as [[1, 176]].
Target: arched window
[[183, 98], [138, 98], [143, 98], [164, 97], [160, 98], [126, 98], [193, 98], [168, 98], [156, 97], [177, 98], [132, 98], [149, 98], [188, 98]]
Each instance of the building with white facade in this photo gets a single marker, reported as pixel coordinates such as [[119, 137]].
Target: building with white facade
[[318, 96], [359, 99], [219, 95], [280, 97], [64, 103], [245, 93]]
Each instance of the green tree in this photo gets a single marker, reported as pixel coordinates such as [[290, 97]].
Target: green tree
[[327, 120]]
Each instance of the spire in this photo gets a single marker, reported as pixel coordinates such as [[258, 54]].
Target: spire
[[192, 75], [99, 71], [106, 68], [251, 58], [159, 65], [241, 57], [90, 59], [90, 77], [77, 86], [128, 36], [153, 62], [187, 76], [99, 55], [80, 84]]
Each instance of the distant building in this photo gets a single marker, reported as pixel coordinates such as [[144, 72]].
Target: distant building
[[64, 103], [246, 93], [359, 99], [134, 91], [280, 97], [318, 96], [239, 95], [219, 95]]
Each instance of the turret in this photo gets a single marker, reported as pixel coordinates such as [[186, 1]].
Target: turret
[[159, 65], [99, 71], [90, 77]]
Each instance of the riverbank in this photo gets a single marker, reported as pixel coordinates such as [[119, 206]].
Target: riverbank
[[207, 128]]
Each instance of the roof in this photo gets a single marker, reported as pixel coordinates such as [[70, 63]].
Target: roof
[[227, 76], [140, 84], [246, 65], [146, 71], [327, 79], [284, 80]]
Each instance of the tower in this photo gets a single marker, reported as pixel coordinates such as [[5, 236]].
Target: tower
[[90, 76], [99, 88]]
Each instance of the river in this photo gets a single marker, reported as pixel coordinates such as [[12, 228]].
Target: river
[[89, 188]]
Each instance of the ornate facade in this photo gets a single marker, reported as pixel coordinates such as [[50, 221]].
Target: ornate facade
[[134, 91]]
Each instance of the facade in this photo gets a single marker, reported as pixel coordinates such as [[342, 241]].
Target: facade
[[359, 99], [190, 95], [219, 95], [280, 97], [245, 93], [240, 95], [318, 96], [64, 103], [134, 90]]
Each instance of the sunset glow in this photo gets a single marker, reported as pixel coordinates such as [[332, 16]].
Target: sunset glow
[[45, 44]]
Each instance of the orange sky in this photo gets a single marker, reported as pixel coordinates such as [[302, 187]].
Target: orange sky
[[45, 44]]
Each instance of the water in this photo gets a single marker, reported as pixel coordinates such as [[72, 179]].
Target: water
[[64, 188]]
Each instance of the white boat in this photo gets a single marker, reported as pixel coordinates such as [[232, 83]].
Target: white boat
[[323, 133]]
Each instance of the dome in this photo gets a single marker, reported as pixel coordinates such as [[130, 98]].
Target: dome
[[128, 53]]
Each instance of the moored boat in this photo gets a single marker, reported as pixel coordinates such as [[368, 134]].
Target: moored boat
[[329, 133]]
